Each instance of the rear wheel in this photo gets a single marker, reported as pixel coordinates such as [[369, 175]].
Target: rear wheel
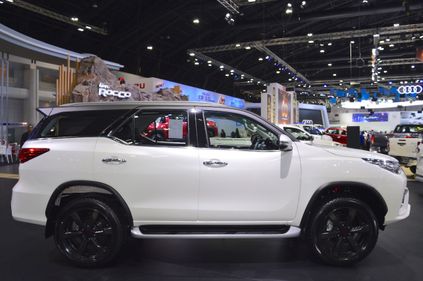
[[88, 232], [343, 231]]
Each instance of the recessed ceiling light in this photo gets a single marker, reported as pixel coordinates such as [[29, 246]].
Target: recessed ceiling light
[[191, 54], [352, 42], [74, 19], [251, 1], [149, 47], [196, 21], [329, 44], [237, 45], [309, 34], [322, 51], [232, 71], [310, 41], [227, 74], [278, 72], [88, 27], [221, 67], [391, 45], [289, 79], [396, 24], [329, 64], [385, 71], [260, 59], [209, 64], [196, 63], [209, 61], [387, 39], [334, 75], [248, 48], [413, 66], [80, 29]]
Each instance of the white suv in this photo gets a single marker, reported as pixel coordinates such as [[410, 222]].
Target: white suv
[[94, 174]]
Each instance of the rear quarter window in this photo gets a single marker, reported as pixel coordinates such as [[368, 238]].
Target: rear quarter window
[[78, 124]]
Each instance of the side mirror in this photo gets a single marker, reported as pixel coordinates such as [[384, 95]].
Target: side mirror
[[285, 143]]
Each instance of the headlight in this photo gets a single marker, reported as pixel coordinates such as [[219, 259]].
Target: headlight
[[392, 166]]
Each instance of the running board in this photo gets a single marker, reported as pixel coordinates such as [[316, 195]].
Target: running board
[[207, 232]]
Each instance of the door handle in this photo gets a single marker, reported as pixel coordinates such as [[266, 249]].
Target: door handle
[[113, 161], [214, 163]]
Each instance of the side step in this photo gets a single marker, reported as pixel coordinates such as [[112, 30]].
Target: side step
[[215, 231]]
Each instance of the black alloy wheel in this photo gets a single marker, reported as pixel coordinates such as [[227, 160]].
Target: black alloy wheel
[[88, 232], [343, 231]]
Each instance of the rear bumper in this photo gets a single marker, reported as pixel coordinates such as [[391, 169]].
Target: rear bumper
[[28, 206]]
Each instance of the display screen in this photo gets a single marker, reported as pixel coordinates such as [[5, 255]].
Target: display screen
[[366, 117], [311, 114]]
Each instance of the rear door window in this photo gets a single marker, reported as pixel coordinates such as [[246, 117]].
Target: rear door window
[[78, 124]]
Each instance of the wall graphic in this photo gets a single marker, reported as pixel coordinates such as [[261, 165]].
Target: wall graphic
[[411, 117], [367, 117], [96, 83]]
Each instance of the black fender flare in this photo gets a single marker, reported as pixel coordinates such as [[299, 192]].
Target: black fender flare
[[51, 203], [350, 185]]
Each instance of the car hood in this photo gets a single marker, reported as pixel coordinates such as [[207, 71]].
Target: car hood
[[356, 153]]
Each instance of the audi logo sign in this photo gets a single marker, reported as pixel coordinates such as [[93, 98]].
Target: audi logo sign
[[412, 89]]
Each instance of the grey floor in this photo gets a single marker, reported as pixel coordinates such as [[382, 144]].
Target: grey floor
[[26, 255]]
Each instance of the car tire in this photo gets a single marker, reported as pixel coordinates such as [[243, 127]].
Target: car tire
[[343, 231], [88, 232]]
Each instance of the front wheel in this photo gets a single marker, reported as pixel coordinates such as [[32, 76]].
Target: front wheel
[[343, 231], [88, 232]]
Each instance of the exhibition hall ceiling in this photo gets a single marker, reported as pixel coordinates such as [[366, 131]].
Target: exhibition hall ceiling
[[328, 42]]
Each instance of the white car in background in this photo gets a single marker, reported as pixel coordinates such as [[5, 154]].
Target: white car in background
[[304, 136], [403, 145]]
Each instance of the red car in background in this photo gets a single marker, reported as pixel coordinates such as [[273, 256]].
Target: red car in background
[[337, 134], [159, 129]]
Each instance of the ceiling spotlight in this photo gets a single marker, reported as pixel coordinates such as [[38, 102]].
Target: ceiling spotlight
[[251, 1], [74, 19], [209, 61], [248, 48], [303, 4], [385, 71], [88, 27], [396, 24], [309, 34], [310, 41], [237, 45], [365, 2], [288, 10], [192, 54], [196, 63], [229, 18], [329, 44], [289, 79], [209, 64], [352, 42], [413, 66], [329, 64], [334, 75], [227, 74], [80, 29], [150, 48], [278, 72], [322, 51], [380, 48], [232, 71], [260, 59], [221, 67], [196, 21], [391, 45]]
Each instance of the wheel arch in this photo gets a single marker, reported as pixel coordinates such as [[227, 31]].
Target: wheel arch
[[85, 187], [362, 191]]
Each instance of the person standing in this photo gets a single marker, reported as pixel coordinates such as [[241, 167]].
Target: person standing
[[25, 135]]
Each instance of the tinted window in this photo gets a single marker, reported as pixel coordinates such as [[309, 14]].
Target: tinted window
[[409, 129], [297, 133], [78, 124], [228, 130], [155, 128]]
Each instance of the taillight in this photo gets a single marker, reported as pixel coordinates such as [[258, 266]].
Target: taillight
[[26, 154]]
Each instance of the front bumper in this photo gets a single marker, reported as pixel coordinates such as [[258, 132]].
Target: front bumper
[[404, 210]]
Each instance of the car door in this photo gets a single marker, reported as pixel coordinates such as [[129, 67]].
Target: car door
[[244, 176], [151, 162]]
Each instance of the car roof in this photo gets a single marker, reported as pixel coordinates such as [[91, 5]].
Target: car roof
[[82, 106]]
